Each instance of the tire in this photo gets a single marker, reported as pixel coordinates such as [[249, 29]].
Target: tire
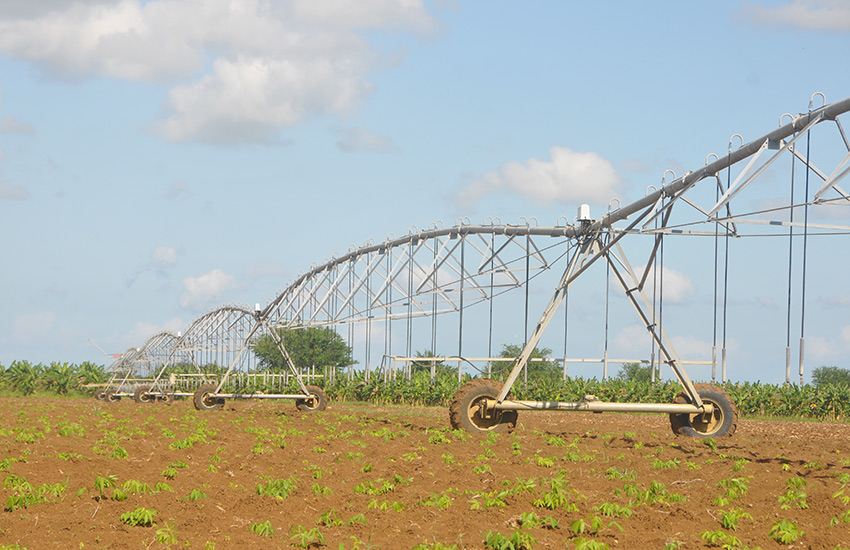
[[205, 398], [317, 402], [166, 398], [142, 395], [100, 395], [722, 422], [465, 413], [110, 397]]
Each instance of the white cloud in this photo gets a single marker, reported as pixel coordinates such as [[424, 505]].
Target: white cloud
[[360, 139], [674, 286], [250, 98], [33, 326], [567, 177], [11, 125], [204, 290], [822, 348], [142, 331], [635, 341], [816, 15], [245, 69], [12, 192]]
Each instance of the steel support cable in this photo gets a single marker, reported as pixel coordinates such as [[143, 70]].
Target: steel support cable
[[434, 317], [714, 309], [804, 260], [725, 279], [409, 343], [660, 275], [527, 274], [566, 315], [607, 298], [654, 309], [790, 279], [490, 323], [460, 315], [368, 323]]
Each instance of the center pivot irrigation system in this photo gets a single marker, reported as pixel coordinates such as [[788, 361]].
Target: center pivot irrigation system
[[413, 279]]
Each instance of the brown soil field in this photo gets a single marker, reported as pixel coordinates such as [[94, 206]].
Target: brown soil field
[[358, 476]]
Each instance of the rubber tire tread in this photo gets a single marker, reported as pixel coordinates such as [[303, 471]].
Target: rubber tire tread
[[680, 423], [110, 397], [467, 394], [198, 398], [321, 399], [141, 395]]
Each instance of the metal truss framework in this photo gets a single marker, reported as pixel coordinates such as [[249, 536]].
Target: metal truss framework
[[442, 270]]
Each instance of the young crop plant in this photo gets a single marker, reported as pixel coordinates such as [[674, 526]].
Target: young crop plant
[[26, 495], [101, 483], [278, 488], [557, 497], [66, 456], [591, 525], [531, 520], [734, 488], [322, 491], [795, 494], [329, 519], [657, 493], [305, 538], [589, 544], [140, 517], [543, 461], [434, 546], [612, 509], [659, 464], [385, 505], [615, 473], [195, 495], [166, 534], [721, 539], [378, 487], [133, 487], [785, 531], [518, 540], [264, 529], [356, 519], [441, 501]]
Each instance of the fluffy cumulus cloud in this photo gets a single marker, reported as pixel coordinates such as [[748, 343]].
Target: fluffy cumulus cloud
[[833, 348], [635, 341], [242, 70], [142, 331], [815, 15], [567, 177], [206, 290], [675, 286]]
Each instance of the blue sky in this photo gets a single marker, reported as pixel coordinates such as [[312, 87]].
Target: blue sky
[[160, 158]]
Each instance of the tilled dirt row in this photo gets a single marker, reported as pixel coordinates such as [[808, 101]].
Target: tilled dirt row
[[264, 475]]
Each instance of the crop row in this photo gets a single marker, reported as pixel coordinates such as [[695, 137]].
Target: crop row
[[824, 402]]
